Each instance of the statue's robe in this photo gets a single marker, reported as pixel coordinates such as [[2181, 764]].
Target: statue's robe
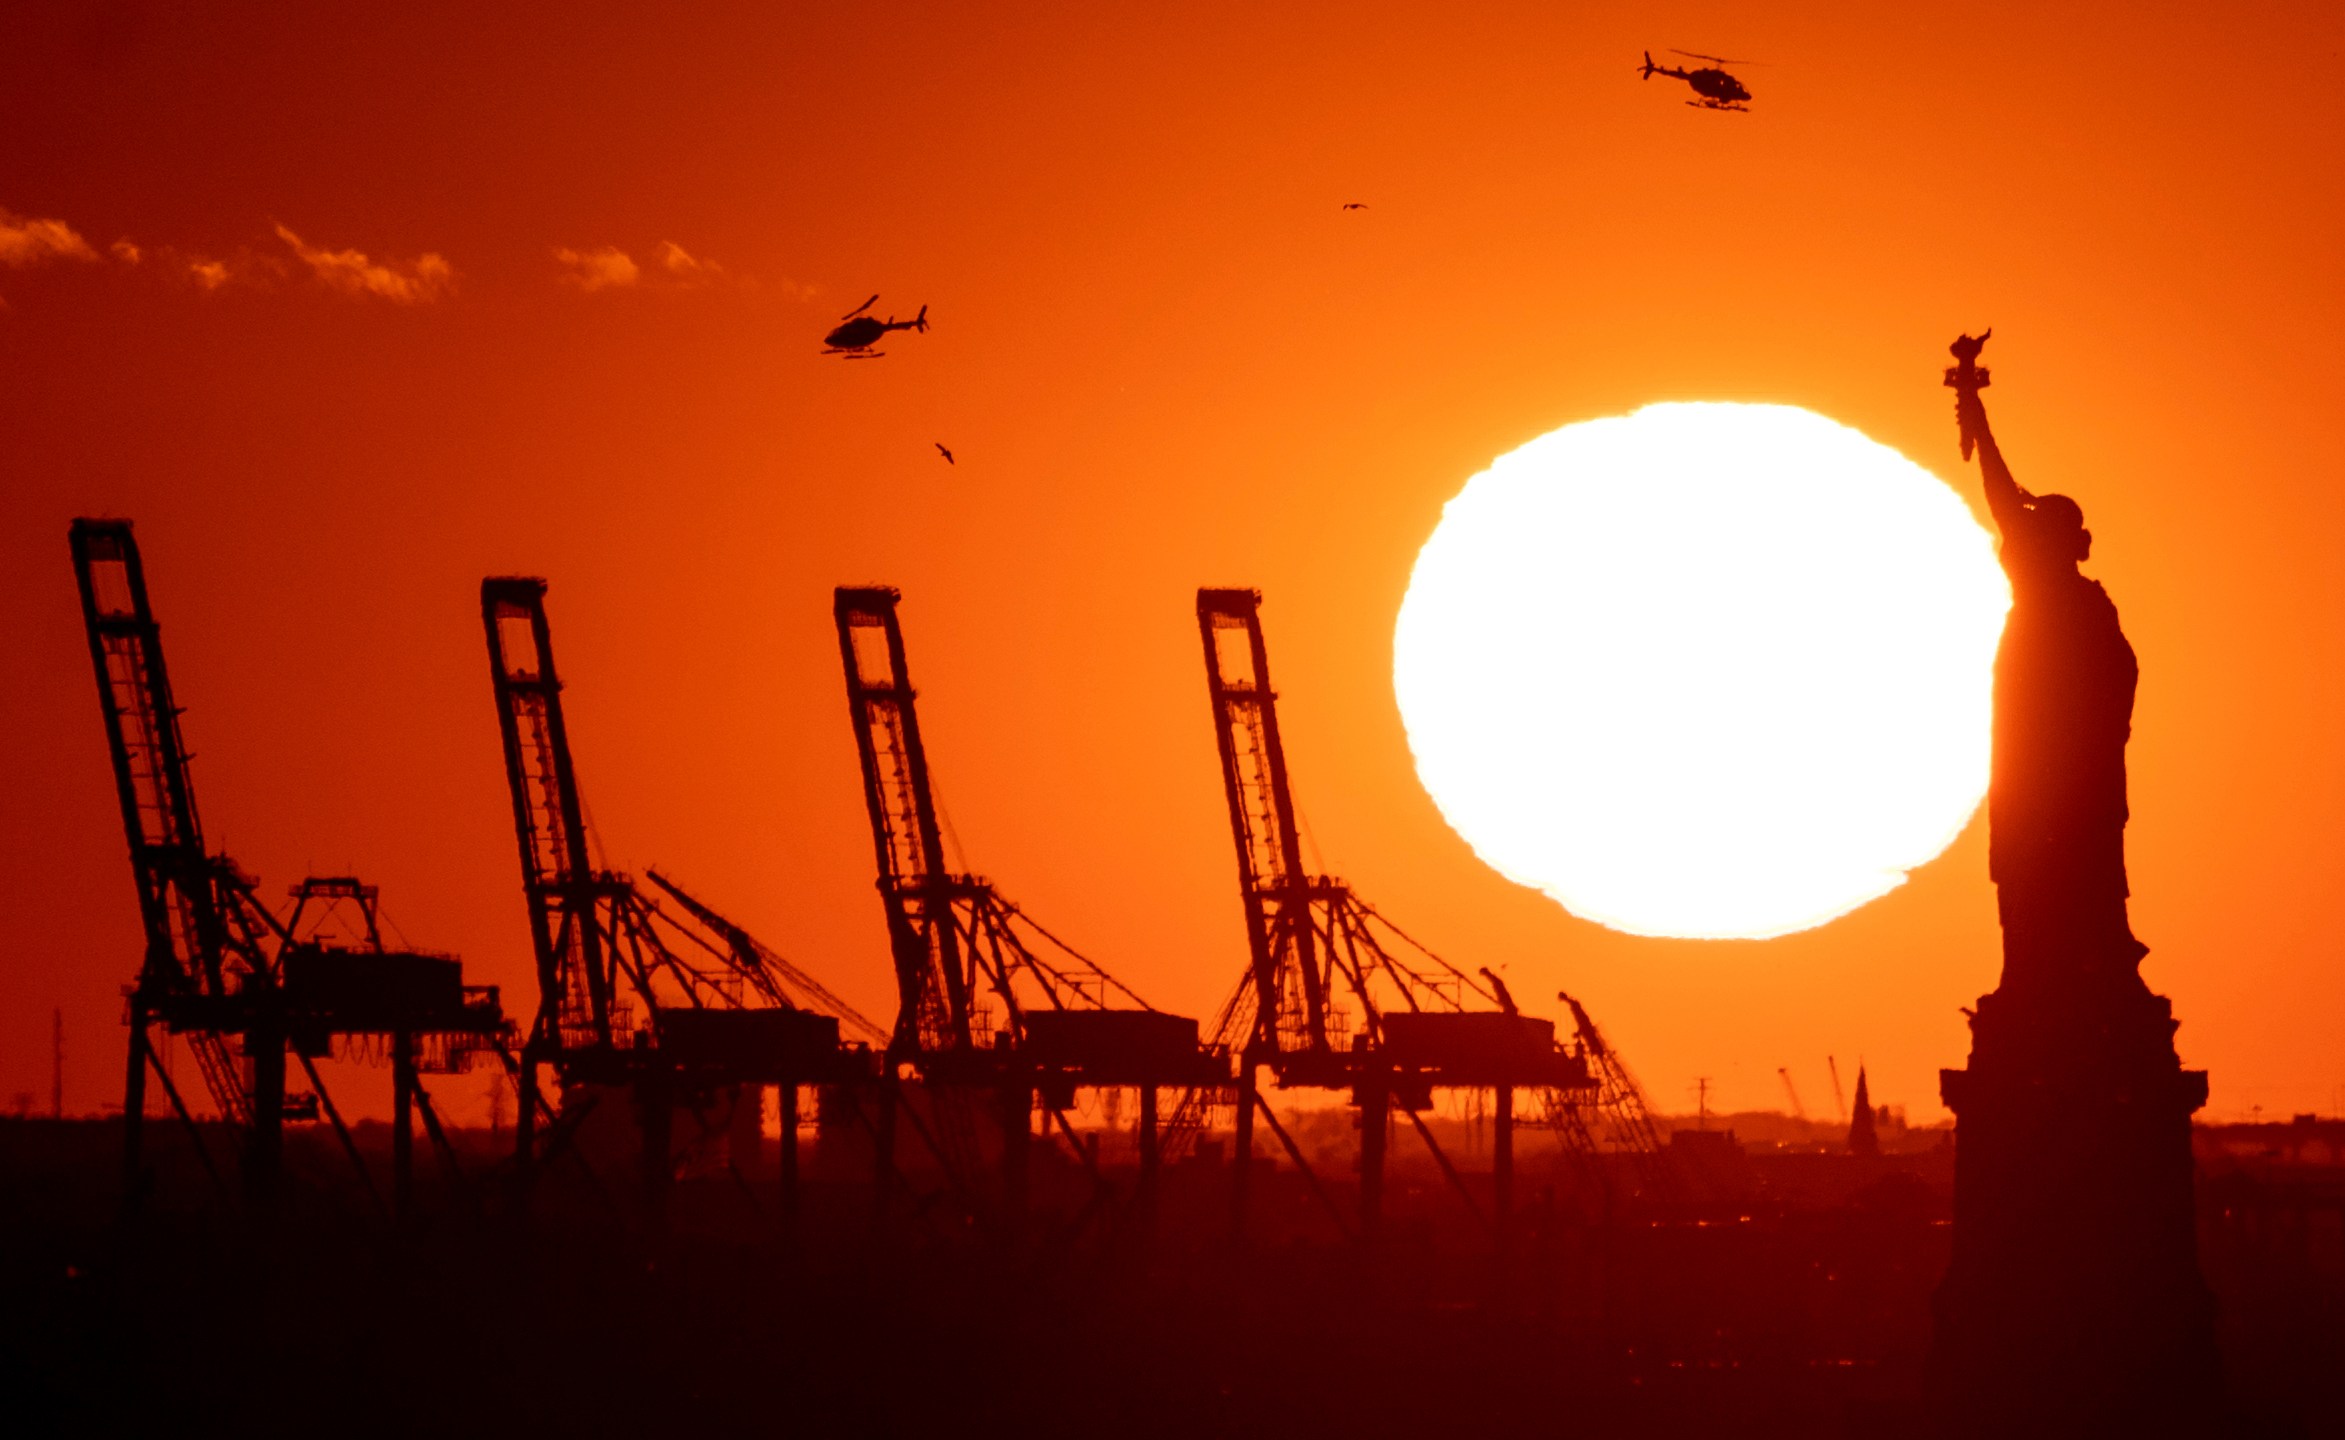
[[2064, 684]]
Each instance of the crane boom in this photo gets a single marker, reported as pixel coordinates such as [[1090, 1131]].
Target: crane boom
[[207, 969], [933, 982], [569, 929], [187, 935], [1797, 1109], [1276, 890], [773, 974]]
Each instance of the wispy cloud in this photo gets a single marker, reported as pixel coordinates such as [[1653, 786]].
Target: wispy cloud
[[208, 273], [603, 268], [687, 269], [669, 266], [682, 264], [425, 278], [29, 241], [26, 241]]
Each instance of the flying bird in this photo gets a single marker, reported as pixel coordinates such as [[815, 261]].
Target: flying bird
[[941, 450]]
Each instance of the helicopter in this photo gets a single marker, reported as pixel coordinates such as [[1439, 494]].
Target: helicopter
[[1717, 89], [859, 332]]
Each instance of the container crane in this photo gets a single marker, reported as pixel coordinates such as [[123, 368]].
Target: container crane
[[1336, 996], [352, 985], [987, 999], [244, 986], [672, 1009], [1617, 1119], [1791, 1091]]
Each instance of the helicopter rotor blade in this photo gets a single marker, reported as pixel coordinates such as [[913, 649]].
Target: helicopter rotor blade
[[866, 305], [1715, 59]]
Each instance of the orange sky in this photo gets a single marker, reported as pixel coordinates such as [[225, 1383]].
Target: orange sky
[[1164, 358]]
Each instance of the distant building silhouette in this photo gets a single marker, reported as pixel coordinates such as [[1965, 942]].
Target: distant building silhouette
[[2073, 1303], [1863, 1138]]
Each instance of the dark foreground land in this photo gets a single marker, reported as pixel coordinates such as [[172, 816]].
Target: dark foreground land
[[1796, 1306]]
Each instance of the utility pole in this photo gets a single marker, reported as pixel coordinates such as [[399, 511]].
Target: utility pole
[[1702, 1102]]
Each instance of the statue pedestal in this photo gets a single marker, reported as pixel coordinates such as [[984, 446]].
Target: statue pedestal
[[2073, 1304]]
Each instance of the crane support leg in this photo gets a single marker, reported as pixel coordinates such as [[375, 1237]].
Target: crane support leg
[[658, 1118], [1302, 1162], [1017, 1149], [266, 1145], [525, 1128], [134, 1110], [883, 1154], [1375, 1125], [786, 1159], [1242, 1153], [1502, 1167], [195, 1132], [366, 1177], [451, 1168], [403, 1125], [1083, 1150], [1456, 1181], [1151, 1158]]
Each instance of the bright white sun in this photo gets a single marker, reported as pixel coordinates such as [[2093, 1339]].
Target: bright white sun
[[1707, 670]]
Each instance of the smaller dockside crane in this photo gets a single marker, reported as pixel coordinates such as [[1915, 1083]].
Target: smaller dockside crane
[[1615, 1120], [342, 982]]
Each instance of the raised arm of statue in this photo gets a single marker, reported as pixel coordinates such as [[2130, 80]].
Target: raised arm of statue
[[2005, 500]]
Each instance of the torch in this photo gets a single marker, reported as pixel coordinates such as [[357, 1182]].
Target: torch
[[1967, 377]]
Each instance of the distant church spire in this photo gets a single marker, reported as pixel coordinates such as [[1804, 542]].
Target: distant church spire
[[1862, 1138]]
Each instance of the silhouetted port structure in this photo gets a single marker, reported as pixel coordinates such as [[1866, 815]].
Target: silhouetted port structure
[[988, 1001], [1337, 997], [676, 1011], [651, 1002], [243, 986], [1614, 1119]]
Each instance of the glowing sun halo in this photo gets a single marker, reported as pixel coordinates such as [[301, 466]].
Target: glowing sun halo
[[1707, 670]]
